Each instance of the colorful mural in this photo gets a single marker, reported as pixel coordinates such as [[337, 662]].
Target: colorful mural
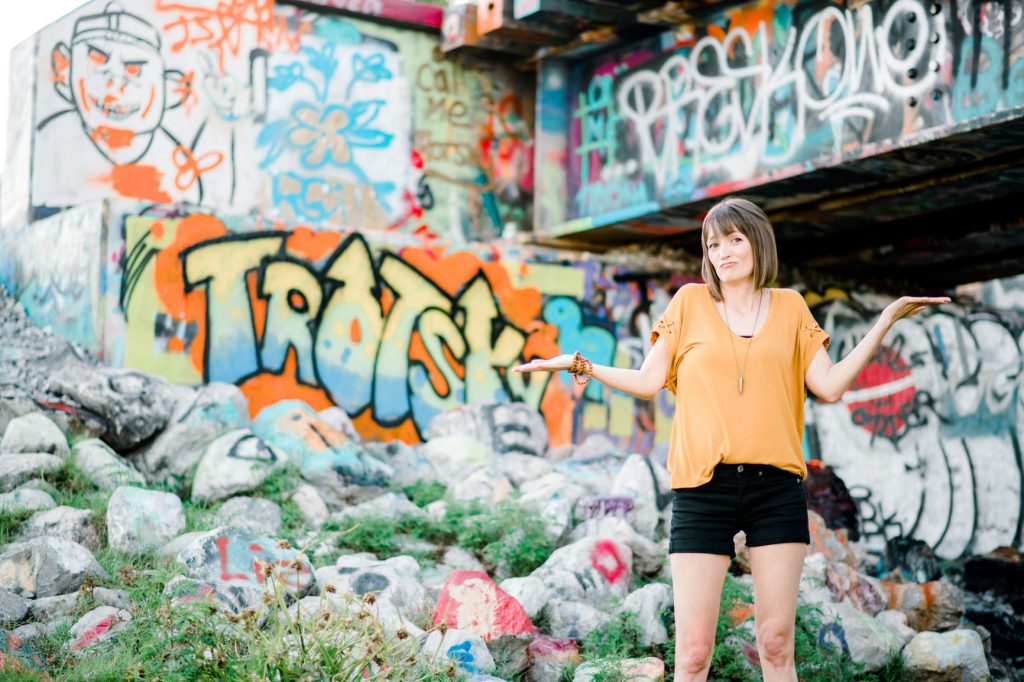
[[928, 437], [392, 335], [298, 116], [767, 90]]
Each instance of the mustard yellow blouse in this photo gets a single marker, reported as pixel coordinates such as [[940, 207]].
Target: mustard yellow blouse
[[713, 423]]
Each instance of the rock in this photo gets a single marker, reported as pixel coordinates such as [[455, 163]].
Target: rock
[[954, 656], [134, 405], [388, 505], [466, 650], [470, 601], [937, 605], [408, 464], [912, 559], [327, 458], [1002, 619], [338, 419], [140, 519], [33, 631], [197, 420], [25, 500], [520, 468], [50, 609], [647, 604], [867, 641], [896, 621], [1001, 570], [237, 462], [648, 558], [597, 446], [595, 475], [553, 497], [633, 669], [530, 592], [174, 547], [814, 589], [34, 432], [63, 522], [829, 497], [399, 595], [99, 624], [824, 541], [863, 591], [573, 619], [456, 457], [230, 557], [105, 596], [45, 567], [488, 486], [502, 428], [257, 514], [551, 656], [643, 482], [17, 654], [510, 656], [181, 590], [16, 469], [433, 577], [311, 505], [13, 607], [593, 570], [104, 468]]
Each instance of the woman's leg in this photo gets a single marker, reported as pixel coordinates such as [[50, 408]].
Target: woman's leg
[[697, 590], [776, 570]]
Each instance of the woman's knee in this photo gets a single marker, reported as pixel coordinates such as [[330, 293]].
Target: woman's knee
[[695, 654], [775, 643]]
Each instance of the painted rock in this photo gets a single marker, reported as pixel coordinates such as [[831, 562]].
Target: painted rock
[[472, 602], [229, 556]]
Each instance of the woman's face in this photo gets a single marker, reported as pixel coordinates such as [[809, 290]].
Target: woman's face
[[731, 255]]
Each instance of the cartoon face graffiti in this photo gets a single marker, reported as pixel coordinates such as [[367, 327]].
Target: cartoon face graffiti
[[114, 76]]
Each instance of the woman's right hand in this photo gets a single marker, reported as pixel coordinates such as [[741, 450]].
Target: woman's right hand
[[555, 364]]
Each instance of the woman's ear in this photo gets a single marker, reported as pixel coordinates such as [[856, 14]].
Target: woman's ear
[[60, 63]]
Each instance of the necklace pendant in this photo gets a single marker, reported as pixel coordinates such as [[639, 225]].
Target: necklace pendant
[[741, 385]]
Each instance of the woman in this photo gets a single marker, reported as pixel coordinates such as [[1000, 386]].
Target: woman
[[741, 355]]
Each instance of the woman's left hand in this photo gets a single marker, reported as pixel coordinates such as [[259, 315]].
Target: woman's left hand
[[908, 306]]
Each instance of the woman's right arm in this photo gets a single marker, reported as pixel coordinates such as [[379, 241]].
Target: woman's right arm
[[641, 383]]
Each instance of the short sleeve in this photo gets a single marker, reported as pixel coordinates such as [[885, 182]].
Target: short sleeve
[[669, 326], [810, 336]]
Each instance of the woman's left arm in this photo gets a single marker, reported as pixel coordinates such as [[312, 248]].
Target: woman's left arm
[[829, 381]]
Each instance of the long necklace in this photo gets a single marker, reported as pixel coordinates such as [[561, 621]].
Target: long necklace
[[732, 341]]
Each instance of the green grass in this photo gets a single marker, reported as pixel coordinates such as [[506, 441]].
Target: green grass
[[422, 493], [508, 540], [196, 641]]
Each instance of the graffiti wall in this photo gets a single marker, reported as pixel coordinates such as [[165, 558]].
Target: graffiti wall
[[246, 107], [394, 334], [771, 89], [928, 437]]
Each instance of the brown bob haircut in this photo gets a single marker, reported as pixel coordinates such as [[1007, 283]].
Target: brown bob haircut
[[744, 216]]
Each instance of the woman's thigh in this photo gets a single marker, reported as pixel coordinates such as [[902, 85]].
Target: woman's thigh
[[776, 570], [697, 589]]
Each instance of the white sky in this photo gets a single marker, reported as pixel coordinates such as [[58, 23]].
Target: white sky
[[15, 27]]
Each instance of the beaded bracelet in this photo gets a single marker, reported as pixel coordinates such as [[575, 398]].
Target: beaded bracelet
[[581, 365]]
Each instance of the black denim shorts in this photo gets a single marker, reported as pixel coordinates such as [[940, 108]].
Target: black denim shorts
[[765, 502]]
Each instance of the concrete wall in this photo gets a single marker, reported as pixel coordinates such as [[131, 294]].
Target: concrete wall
[[928, 438], [390, 330], [767, 90], [272, 111]]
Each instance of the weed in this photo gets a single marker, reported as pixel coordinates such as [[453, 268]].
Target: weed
[[507, 539], [422, 493]]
